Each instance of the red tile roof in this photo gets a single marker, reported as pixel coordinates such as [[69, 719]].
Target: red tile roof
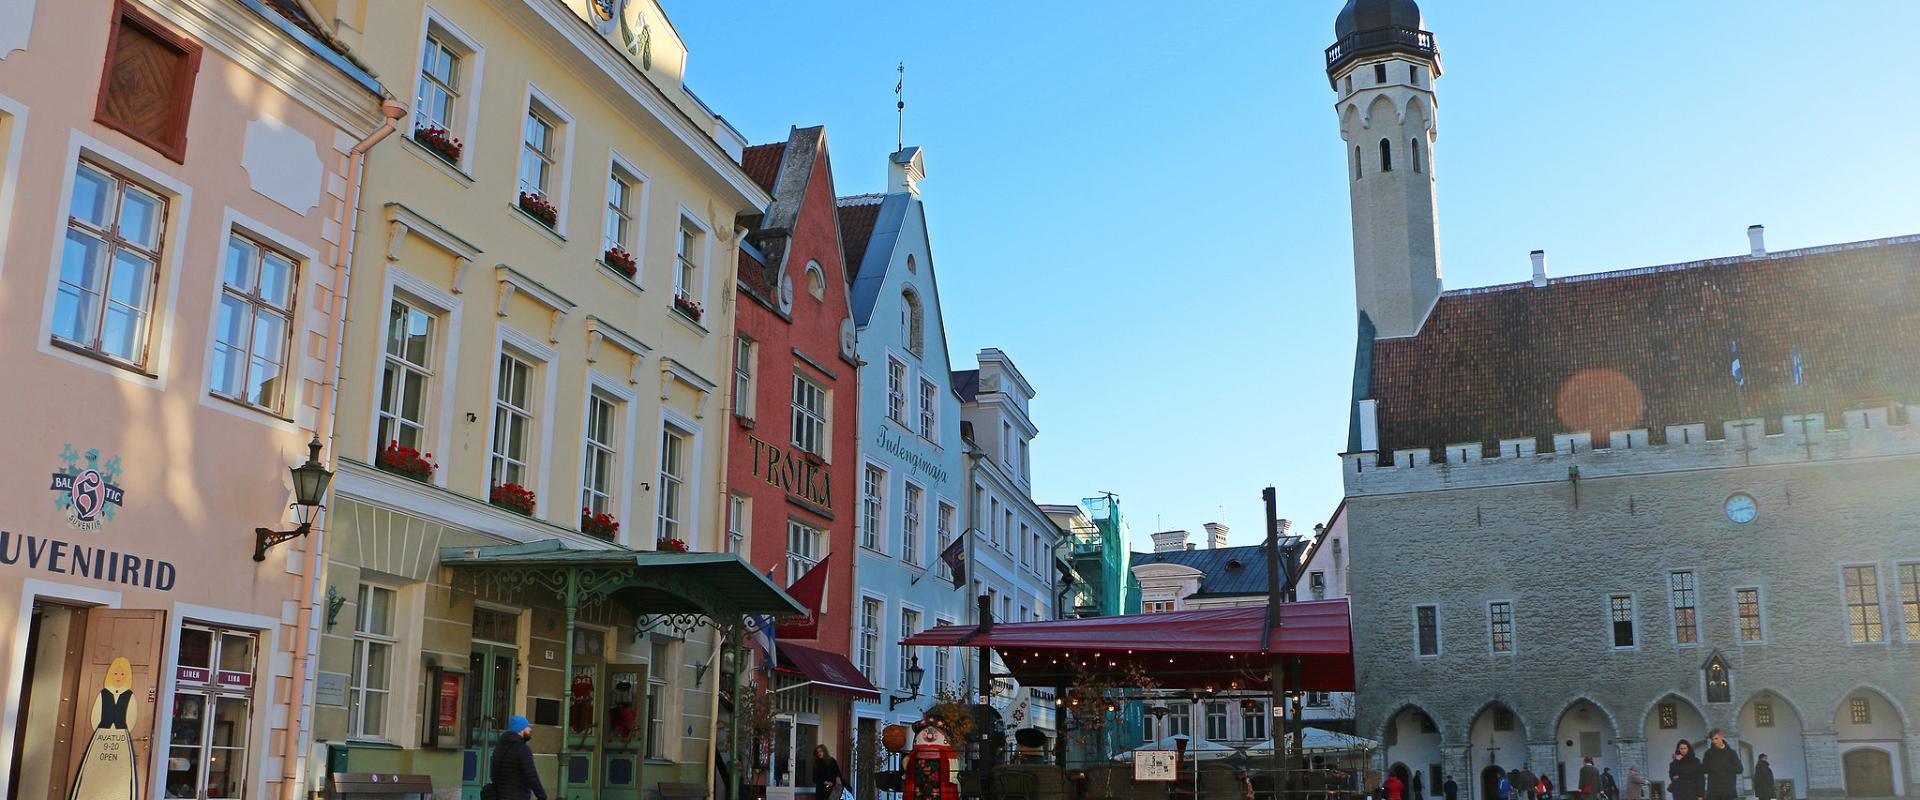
[[856, 228], [1654, 347], [762, 163]]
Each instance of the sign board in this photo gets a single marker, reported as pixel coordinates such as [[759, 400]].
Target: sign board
[[1156, 765], [330, 689], [445, 687]]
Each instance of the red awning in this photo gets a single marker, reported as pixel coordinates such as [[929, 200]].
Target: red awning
[[1221, 648], [826, 672]]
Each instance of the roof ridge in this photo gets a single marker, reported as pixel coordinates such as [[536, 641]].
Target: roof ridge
[[1680, 266], [859, 199]]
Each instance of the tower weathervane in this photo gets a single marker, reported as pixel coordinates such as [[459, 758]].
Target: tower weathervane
[[900, 108]]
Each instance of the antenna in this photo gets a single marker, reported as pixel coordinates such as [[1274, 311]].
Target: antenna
[[900, 108]]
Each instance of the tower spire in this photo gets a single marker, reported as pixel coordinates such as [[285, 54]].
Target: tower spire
[[900, 108]]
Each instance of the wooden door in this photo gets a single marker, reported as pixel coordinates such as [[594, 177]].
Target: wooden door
[[1869, 773], [135, 635]]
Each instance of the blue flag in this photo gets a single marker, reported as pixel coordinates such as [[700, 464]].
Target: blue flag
[[1796, 366], [1739, 378]]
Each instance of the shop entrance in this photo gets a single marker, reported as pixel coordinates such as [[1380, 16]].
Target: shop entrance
[[603, 721], [793, 740], [492, 672], [212, 713], [85, 725]]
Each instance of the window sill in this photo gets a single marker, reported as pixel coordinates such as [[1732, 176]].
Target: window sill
[[242, 404], [619, 277], [434, 160], [95, 355], [532, 222], [743, 421], [876, 551], [691, 323]]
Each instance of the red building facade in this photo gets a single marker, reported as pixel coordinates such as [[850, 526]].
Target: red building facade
[[793, 472]]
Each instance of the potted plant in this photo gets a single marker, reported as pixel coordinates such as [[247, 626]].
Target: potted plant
[[439, 142], [601, 525], [670, 545], [406, 461], [618, 258], [685, 304], [538, 207], [513, 497]]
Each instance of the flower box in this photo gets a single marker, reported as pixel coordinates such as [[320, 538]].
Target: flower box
[[670, 545], [601, 525], [618, 258], [685, 304], [406, 461], [441, 143], [513, 497], [540, 208]]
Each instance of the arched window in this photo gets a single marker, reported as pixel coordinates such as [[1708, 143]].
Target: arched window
[[1414, 148], [1356, 162], [912, 321], [1386, 156], [816, 280]]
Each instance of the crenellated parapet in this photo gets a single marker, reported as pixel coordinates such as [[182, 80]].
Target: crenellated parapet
[[1862, 433]]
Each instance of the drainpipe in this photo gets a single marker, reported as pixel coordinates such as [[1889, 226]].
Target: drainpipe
[[308, 583], [721, 643]]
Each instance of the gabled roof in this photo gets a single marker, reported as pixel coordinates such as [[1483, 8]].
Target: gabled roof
[[762, 163], [857, 217], [1823, 329], [966, 384], [1224, 570]]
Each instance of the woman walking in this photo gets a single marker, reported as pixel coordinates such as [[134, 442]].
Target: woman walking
[[827, 779], [1685, 779]]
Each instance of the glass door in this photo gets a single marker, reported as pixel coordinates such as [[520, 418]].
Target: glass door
[[492, 669], [780, 782]]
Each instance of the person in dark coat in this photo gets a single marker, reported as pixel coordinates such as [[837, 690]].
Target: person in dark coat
[[514, 777], [1763, 779], [827, 778], [1525, 784], [1589, 779], [1722, 767], [1609, 788], [1419, 791], [1684, 778], [1449, 789]]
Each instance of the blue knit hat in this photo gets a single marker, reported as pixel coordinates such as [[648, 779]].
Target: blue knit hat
[[517, 724]]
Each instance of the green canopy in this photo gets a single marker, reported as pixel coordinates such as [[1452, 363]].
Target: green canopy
[[716, 585]]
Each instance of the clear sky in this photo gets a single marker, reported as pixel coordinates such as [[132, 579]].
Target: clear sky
[[1144, 204]]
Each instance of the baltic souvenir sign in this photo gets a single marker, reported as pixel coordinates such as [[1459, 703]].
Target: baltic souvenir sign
[[87, 492], [800, 477]]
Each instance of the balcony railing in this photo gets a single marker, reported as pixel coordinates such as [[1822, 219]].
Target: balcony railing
[[1364, 42]]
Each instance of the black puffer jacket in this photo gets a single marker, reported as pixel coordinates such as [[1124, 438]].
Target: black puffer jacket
[[514, 777]]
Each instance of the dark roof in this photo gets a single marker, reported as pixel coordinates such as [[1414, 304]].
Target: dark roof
[[857, 218], [1219, 575], [1825, 329], [966, 383], [1370, 15], [762, 163]]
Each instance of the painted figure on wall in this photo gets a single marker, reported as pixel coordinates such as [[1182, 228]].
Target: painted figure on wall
[[107, 771]]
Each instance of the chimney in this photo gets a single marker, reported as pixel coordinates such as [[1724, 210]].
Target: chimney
[[1757, 239], [1169, 541], [905, 170], [1216, 535], [1286, 528], [1539, 267]]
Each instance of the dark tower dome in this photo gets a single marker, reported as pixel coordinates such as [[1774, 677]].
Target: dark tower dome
[[1367, 15]]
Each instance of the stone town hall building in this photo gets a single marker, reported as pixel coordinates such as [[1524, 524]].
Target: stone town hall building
[[1598, 514]]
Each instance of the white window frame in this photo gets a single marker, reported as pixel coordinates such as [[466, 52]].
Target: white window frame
[[13, 133], [908, 653], [403, 286], [873, 507], [1633, 618], [1674, 607], [1760, 614], [697, 263], [746, 361], [802, 560], [1223, 717], [560, 155], [689, 528], [869, 650], [910, 521], [1439, 647], [897, 377], [467, 106], [1847, 605], [531, 463], [625, 401], [929, 400], [633, 213], [807, 420], [946, 521], [1513, 637], [1901, 585], [363, 644], [942, 672], [739, 524]]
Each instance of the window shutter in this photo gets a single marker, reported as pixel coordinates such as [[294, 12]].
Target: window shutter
[[146, 89]]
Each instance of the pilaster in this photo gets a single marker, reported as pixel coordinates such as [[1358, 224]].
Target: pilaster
[[1824, 776], [1541, 756], [1453, 760]]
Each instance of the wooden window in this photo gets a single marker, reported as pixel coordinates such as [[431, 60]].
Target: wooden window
[[110, 266], [253, 325], [146, 89]]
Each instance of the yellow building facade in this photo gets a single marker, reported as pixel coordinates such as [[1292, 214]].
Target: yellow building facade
[[540, 325]]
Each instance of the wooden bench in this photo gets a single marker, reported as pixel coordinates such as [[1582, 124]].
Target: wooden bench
[[383, 785], [682, 791]]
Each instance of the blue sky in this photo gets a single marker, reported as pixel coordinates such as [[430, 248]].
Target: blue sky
[[1146, 206]]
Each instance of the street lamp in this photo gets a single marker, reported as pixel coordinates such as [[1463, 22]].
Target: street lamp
[[310, 482], [914, 675]]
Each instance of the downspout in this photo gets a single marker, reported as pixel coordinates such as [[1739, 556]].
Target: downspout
[[308, 583], [728, 309]]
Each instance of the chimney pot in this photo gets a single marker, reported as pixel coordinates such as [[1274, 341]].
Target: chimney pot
[[1757, 239], [1539, 267], [1216, 535], [1170, 541]]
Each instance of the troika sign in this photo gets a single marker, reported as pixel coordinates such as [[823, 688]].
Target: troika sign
[[801, 477]]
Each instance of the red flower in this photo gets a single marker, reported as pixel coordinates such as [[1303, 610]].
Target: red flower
[[670, 545], [688, 305], [406, 461], [602, 525], [436, 138], [514, 497], [618, 258], [538, 207]]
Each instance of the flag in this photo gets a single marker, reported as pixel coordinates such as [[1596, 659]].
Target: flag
[[763, 635], [956, 558], [811, 591], [1739, 378], [1796, 366]]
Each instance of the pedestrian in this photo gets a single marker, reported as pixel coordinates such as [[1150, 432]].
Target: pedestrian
[[1609, 788], [1525, 783], [1503, 790], [1393, 786], [514, 777], [1763, 779], [1636, 784], [1451, 790], [1546, 788], [827, 779], [1684, 779], [1419, 790], [1589, 779], [1722, 767]]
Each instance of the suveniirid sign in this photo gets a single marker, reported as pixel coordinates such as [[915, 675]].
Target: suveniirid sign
[[800, 477]]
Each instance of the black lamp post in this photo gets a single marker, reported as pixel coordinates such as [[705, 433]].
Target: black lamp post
[[915, 673], [310, 482]]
